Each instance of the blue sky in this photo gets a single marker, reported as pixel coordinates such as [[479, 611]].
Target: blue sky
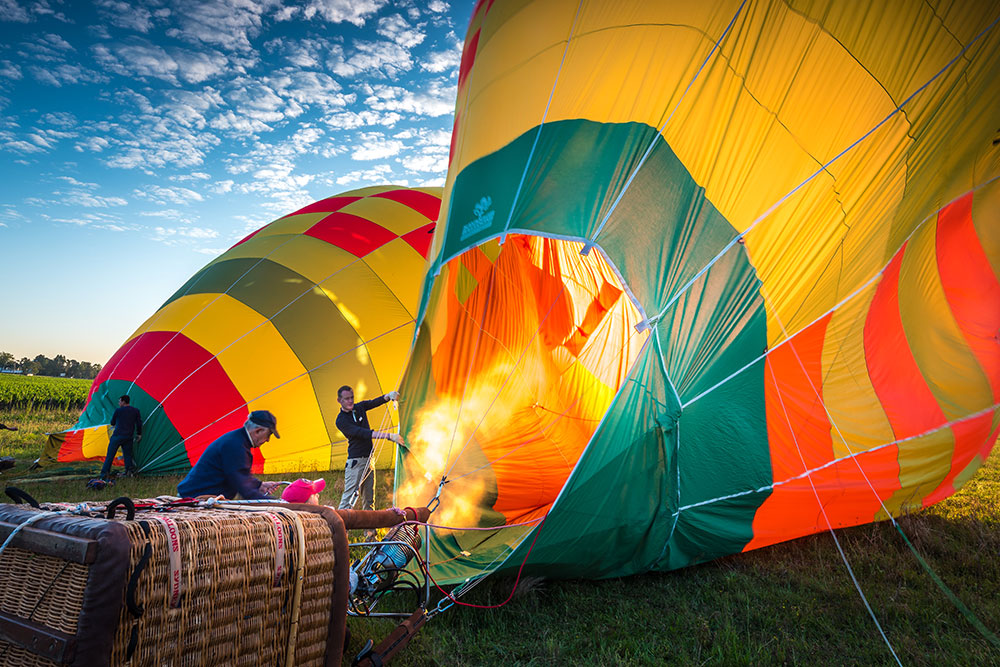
[[139, 139]]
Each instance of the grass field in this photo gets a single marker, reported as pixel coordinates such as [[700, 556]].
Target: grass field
[[793, 603], [28, 392]]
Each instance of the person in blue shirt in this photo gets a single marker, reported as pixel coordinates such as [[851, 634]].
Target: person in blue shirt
[[352, 420], [224, 467], [128, 429]]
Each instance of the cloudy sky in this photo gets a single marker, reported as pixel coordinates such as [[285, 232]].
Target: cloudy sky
[[139, 139]]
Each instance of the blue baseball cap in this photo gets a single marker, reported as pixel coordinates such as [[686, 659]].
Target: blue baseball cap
[[265, 418]]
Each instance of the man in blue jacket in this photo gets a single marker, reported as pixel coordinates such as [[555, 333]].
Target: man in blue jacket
[[224, 467], [352, 421], [128, 428]]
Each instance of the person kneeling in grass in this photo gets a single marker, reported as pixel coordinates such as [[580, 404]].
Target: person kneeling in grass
[[224, 467]]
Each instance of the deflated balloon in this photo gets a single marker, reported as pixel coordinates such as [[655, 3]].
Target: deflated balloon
[[711, 275]]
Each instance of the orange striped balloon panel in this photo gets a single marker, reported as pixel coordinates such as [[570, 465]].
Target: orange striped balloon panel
[[891, 401], [320, 298]]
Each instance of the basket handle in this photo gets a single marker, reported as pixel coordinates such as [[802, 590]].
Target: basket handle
[[122, 502], [19, 496]]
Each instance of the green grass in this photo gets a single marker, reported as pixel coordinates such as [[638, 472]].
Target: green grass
[[791, 603], [35, 391], [65, 482]]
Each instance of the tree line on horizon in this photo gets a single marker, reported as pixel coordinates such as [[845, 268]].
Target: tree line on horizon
[[58, 366]]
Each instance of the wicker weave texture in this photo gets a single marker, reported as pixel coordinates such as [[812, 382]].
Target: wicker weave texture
[[39, 588], [230, 610], [236, 605]]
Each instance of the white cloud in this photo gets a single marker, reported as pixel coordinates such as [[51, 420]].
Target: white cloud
[[42, 8], [286, 13], [140, 58], [99, 32], [441, 61], [222, 187], [436, 100], [95, 144], [13, 12], [340, 11], [198, 67], [160, 142], [128, 15], [310, 88], [376, 147], [47, 48], [432, 152], [279, 203], [433, 162], [77, 184], [304, 53], [95, 220], [199, 232], [47, 139], [396, 28], [371, 58], [163, 213], [65, 74], [280, 180], [437, 6], [276, 161], [176, 235], [63, 119], [22, 146], [229, 24], [426, 137], [163, 196], [304, 138], [136, 59], [189, 108], [9, 70], [238, 124], [378, 174], [349, 120], [8, 212], [79, 197], [193, 176], [260, 102]]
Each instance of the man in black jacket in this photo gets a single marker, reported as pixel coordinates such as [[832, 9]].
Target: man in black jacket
[[128, 428], [352, 421]]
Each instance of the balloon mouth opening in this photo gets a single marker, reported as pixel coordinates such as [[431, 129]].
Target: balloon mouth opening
[[524, 347]]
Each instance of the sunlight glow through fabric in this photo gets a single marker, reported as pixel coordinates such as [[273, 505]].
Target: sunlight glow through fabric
[[317, 299], [703, 268]]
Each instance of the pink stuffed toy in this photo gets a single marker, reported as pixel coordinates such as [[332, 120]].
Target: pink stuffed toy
[[304, 491]]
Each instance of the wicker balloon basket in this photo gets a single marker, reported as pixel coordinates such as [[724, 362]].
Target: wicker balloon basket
[[225, 585]]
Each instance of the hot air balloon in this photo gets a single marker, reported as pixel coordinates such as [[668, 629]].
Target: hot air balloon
[[323, 297], [709, 276]]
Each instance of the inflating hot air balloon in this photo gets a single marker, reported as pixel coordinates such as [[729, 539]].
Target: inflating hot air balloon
[[710, 276], [317, 299]]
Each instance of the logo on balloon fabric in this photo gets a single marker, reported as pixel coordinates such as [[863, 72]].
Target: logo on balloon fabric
[[484, 218]]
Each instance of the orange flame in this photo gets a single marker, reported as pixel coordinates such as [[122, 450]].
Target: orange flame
[[446, 440]]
